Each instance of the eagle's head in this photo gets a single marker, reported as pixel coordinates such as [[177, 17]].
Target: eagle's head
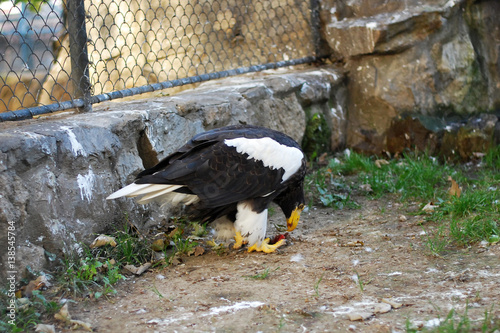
[[292, 202]]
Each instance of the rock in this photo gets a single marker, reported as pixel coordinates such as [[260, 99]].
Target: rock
[[471, 141], [484, 30], [392, 303], [447, 137], [409, 133], [382, 33], [428, 58], [359, 316], [382, 308]]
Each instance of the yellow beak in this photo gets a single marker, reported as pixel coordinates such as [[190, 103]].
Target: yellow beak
[[293, 220]]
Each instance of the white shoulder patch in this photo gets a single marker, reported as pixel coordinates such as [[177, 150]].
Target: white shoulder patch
[[272, 154]]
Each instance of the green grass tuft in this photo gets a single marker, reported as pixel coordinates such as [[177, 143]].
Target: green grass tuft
[[262, 275]]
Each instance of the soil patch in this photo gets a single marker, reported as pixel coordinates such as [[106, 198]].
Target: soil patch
[[336, 265]]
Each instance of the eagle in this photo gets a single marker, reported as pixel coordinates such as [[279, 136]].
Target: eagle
[[230, 176]]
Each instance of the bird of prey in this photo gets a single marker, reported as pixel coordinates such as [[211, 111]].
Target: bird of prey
[[230, 175]]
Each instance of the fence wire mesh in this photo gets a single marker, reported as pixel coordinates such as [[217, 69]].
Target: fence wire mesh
[[74, 53]]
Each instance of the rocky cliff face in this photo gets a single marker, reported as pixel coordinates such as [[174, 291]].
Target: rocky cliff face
[[433, 58]]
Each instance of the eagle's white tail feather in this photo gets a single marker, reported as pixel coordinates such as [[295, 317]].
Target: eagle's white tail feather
[[134, 190], [170, 197], [126, 191], [154, 194]]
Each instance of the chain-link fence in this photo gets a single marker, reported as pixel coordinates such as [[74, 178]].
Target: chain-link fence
[[57, 54]]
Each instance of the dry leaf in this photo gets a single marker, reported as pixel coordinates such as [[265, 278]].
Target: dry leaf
[[174, 232], [379, 163], [212, 243], [36, 284], [366, 187], [43, 328], [158, 245], [429, 208], [198, 251], [42, 281], [454, 190], [322, 159], [28, 290], [137, 270], [357, 243], [478, 154], [402, 218], [175, 261], [76, 324], [63, 314], [103, 240]]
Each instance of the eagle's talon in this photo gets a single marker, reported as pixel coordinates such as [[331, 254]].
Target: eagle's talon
[[266, 247], [239, 241]]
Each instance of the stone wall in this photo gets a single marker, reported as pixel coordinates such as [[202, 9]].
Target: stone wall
[[56, 172]]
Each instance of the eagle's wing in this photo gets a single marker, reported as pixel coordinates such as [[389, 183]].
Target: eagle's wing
[[215, 172]]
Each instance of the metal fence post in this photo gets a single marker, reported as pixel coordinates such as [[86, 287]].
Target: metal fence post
[[78, 51], [316, 28]]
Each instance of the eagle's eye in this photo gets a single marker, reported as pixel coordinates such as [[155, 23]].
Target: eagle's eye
[[301, 206]]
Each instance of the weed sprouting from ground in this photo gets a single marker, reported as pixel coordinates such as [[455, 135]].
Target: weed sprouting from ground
[[262, 275], [316, 285]]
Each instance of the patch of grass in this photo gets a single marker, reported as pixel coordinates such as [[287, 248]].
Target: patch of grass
[[421, 177], [359, 281], [262, 275], [325, 186], [183, 245], [156, 291], [131, 247], [455, 322], [492, 160], [413, 177], [463, 220], [351, 163], [436, 241], [29, 312], [199, 230], [316, 285], [472, 217], [90, 274], [98, 269]]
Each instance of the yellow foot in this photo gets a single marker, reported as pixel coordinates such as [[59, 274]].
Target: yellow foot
[[239, 241], [265, 247]]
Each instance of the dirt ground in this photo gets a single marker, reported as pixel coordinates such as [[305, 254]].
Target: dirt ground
[[336, 264]]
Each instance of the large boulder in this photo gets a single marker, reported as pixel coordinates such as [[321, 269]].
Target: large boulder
[[432, 58]]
